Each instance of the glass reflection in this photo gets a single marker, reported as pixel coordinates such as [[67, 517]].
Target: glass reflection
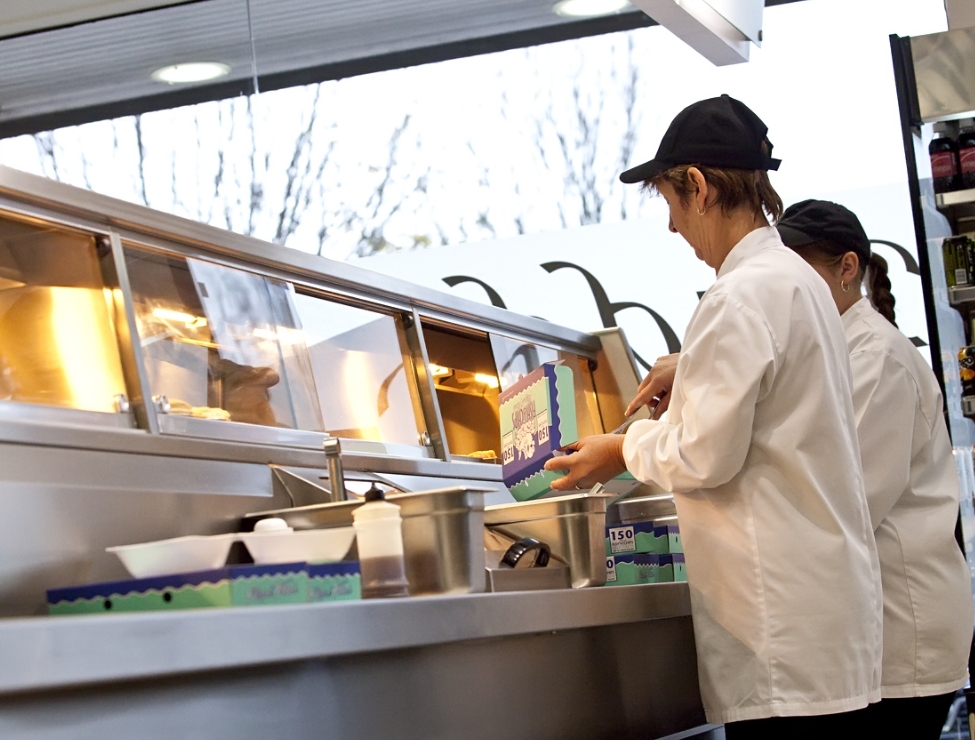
[[516, 359], [58, 344], [222, 343], [362, 371]]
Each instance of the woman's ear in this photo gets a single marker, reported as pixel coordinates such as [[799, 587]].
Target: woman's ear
[[700, 198], [849, 268]]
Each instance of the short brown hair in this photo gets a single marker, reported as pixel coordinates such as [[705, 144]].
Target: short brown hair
[[733, 188]]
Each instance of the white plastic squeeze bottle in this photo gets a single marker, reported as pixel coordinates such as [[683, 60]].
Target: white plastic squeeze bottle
[[380, 542]]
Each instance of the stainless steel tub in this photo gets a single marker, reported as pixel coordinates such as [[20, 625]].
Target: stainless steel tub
[[443, 535], [573, 526]]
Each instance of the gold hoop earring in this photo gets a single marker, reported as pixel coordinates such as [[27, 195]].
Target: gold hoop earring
[[700, 212], [845, 287]]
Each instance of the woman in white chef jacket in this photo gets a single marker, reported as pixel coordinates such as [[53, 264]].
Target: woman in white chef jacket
[[909, 474], [759, 447]]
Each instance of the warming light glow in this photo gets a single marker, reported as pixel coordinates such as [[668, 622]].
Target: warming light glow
[[489, 380], [281, 334], [193, 322], [89, 360], [439, 371], [177, 74], [588, 8]]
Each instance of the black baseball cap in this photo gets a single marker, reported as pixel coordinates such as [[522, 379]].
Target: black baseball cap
[[821, 220], [717, 132]]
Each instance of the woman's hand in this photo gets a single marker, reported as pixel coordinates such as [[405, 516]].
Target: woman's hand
[[589, 461], [658, 384]]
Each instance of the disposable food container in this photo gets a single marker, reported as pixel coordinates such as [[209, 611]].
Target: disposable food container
[[177, 555], [308, 546]]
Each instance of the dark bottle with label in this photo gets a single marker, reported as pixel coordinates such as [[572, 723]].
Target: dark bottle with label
[[944, 160], [966, 153]]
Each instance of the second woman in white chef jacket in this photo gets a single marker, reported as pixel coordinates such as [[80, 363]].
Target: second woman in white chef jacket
[[909, 474]]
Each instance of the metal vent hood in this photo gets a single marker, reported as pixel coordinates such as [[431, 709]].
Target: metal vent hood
[[722, 31]]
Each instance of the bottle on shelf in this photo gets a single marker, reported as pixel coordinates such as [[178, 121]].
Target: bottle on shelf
[[943, 151], [379, 538], [966, 152], [959, 260]]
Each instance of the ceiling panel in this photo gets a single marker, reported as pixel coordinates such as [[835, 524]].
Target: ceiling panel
[[26, 16], [102, 68]]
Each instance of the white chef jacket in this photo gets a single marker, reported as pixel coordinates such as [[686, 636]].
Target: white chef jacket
[[912, 492], [760, 449]]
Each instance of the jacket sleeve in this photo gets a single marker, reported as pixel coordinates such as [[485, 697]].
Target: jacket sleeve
[[726, 366], [884, 401]]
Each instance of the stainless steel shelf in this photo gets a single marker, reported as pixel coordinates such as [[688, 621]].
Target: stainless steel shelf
[[42, 653], [955, 198]]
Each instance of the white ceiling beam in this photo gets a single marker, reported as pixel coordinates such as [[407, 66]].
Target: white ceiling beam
[[720, 30]]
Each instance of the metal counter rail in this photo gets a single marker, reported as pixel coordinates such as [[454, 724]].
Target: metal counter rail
[[58, 652], [589, 664]]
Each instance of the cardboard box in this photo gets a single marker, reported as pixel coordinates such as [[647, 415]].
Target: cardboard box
[[632, 569], [643, 537], [629, 570], [334, 582], [670, 568], [237, 585], [538, 416]]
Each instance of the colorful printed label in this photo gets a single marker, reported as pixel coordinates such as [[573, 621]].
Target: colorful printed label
[[943, 165], [966, 158], [537, 417], [621, 539]]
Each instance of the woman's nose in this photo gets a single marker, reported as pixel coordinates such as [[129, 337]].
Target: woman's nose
[[670, 225]]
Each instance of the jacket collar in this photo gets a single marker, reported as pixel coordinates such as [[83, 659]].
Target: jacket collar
[[753, 243], [861, 309]]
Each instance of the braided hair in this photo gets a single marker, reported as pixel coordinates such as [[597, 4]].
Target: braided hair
[[878, 287], [829, 253]]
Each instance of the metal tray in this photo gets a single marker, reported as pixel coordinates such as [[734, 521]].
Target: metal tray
[[574, 526], [443, 535]]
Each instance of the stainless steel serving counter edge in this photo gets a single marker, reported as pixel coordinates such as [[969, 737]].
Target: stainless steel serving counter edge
[[46, 653]]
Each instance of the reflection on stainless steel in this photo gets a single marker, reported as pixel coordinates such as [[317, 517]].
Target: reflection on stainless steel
[[336, 479], [299, 489], [944, 68], [573, 526], [643, 506], [443, 540]]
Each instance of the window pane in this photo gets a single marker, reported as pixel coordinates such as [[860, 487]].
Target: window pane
[[515, 359], [58, 344], [363, 372], [222, 343]]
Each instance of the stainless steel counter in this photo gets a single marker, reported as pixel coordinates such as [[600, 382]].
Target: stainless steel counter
[[587, 663]]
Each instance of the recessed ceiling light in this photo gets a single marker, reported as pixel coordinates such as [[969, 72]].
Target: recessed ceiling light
[[176, 74], [588, 8]]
